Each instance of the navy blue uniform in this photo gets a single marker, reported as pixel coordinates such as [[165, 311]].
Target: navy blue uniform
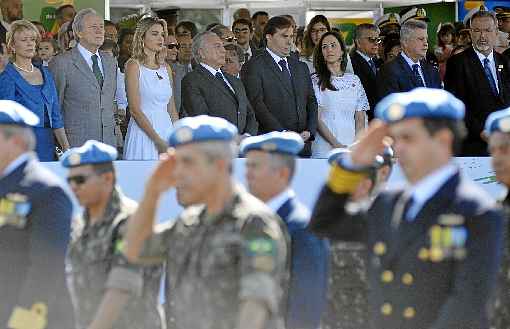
[[435, 272], [35, 218], [309, 268]]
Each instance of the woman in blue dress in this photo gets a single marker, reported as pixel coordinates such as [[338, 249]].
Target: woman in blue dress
[[34, 87]]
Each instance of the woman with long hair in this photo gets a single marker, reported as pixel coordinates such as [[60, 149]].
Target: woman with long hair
[[33, 86], [341, 98], [318, 26], [149, 92], [445, 45]]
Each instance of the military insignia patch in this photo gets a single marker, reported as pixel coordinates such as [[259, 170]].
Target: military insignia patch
[[269, 147], [74, 159], [420, 12], [184, 135], [451, 219], [504, 125], [396, 112], [393, 19]]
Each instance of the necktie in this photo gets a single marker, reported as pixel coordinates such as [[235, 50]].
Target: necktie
[[417, 76], [490, 77], [219, 76], [372, 66], [246, 57], [97, 71], [399, 210], [285, 70]]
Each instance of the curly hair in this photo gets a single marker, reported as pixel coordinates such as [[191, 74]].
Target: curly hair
[[321, 67], [141, 29]]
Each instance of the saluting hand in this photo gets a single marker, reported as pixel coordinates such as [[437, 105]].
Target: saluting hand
[[163, 177], [371, 143]]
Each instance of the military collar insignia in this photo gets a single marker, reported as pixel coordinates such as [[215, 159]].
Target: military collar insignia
[[184, 135], [451, 219]]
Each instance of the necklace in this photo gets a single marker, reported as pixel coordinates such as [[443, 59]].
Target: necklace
[[22, 69]]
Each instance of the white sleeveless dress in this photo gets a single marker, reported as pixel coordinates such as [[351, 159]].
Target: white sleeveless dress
[[155, 93], [336, 109]]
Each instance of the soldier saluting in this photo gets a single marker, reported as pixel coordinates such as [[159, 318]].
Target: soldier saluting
[[434, 247]]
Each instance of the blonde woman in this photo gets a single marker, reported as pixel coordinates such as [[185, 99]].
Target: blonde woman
[[33, 86], [149, 92]]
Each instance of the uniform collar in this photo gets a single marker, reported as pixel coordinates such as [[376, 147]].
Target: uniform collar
[[16, 163], [277, 201]]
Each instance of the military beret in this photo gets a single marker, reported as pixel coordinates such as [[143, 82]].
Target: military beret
[[201, 128], [420, 103], [286, 142], [502, 11], [13, 113], [415, 13], [92, 152], [386, 19], [498, 121]]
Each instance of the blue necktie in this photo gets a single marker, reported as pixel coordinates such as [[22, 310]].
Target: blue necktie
[[372, 66], [285, 70], [490, 77], [219, 76], [417, 76]]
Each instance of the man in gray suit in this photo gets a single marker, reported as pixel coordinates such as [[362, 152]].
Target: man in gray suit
[[208, 90], [86, 80]]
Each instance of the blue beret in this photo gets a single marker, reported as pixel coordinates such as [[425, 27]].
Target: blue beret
[[498, 121], [13, 113], [92, 152], [286, 142], [200, 129], [420, 103]]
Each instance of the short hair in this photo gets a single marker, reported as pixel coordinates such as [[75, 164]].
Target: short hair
[[53, 42], [457, 127], [103, 168], [237, 13], [60, 9], [110, 23], [219, 150], [198, 43], [18, 26], [279, 160], [482, 14], [188, 25], [26, 133], [242, 21], [235, 48], [79, 18], [211, 26], [219, 30], [389, 43], [110, 45], [257, 14], [409, 27], [276, 23], [361, 28]]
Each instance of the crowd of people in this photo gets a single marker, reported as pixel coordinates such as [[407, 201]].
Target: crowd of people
[[430, 255]]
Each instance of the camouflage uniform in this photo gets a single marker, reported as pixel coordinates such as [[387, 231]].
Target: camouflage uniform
[[500, 307], [215, 262], [98, 264], [348, 287]]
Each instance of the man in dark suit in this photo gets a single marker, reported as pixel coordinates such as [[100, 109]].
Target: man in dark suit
[[208, 90], [364, 61], [434, 247], [11, 10], [270, 166], [35, 221], [480, 77], [279, 87], [409, 70]]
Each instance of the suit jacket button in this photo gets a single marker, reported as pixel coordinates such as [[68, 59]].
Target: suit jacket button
[[386, 309], [380, 248], [387, 276], [407, 279], [409, 312], [423, 254]]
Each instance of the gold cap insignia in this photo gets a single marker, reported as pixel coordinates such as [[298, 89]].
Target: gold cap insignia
[[74, 159], [504, 125], [396, 112], [421, 13], [269, 147], [184, 135]]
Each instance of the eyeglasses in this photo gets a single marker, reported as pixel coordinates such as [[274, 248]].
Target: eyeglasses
[[230, 39], [374, 40], [78, 179], [243, 30], [173, 45]]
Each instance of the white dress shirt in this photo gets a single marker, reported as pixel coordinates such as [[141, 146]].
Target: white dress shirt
[[87, 56], [492, 64], [277, 60], [213, 72]]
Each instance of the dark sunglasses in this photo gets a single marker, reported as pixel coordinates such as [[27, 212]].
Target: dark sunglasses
[[173, 45], [374, 40], [231, 39], [78, 179]]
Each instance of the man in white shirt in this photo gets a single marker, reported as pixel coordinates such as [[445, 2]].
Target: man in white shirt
[[86, 80]]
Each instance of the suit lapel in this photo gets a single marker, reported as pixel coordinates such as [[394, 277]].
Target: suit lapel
[[477, 68], [426, 73], [286, 209], [405, 68], [214, 81], [7, 182], [107, 69], [234, 86], [82, 65], [277, 71], [499, 75]]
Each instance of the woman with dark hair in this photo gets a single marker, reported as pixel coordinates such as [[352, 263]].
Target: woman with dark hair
[[341, 98], [391, 48], [445, 45], [317, 27]]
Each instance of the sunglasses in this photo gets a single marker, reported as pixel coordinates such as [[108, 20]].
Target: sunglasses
[[231, 39], [374, 40], [78, 179], [173, 45]]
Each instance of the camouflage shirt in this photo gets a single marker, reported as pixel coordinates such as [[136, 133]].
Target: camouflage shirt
[[216, 262], [98, 264]]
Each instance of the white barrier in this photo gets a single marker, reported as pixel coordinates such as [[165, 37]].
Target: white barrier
[[310, 177]]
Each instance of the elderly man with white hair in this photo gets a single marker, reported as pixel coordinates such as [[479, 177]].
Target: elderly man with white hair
[[86, 79]]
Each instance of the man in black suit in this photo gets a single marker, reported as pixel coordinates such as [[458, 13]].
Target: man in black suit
[[12, 10], [208, 90], [409, 70], [480, 77], [364, 60], [35, 225], [279, 87]]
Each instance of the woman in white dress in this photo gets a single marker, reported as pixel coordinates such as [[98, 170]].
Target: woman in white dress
[[341, 97], [149, 93]]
